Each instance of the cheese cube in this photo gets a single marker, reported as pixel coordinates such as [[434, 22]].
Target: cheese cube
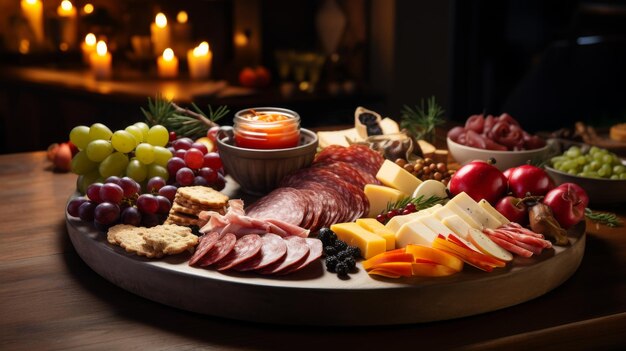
[[454, 210], [379, 196], [397, 177], [396, 222], [435, 225], [487, 207], [471, 207], [355, 235], [378, 228], [414, 233]]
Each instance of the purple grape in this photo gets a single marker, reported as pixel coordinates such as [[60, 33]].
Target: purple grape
[[74, 204], [113, 179], [173, 165], [220, 182], [130, 186], [207, 173], [180, 153], [149, 220], [172, 150], [131, 215], [106, 212], [154, 184], [185, 176], [93, 192], [200, 181], [182, 144], [169, 191], [85, 211], [200, 147], [147, 203], [164, 204], [111, 192]]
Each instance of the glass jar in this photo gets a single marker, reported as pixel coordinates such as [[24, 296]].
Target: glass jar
[[266, 128]]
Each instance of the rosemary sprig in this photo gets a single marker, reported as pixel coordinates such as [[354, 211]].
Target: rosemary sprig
[[419, 202], [421, 121], [606, 218]]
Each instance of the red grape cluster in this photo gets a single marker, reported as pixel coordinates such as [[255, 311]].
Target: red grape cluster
[[120, 200], [384, 217], [193, 164]]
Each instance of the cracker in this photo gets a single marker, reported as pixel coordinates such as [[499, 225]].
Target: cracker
[[170, 239], [203, 195], [194, 205], [113, 231], [132, 240], [181, 219], [176, 207]]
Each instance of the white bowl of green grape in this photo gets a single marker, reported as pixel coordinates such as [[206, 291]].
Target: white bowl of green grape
[[600, 172]]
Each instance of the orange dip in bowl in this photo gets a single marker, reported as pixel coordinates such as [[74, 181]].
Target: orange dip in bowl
[[266, 128]]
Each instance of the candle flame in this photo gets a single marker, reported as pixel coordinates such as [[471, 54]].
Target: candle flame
[[24, 46], [182, 17], [90, 39], [101, 48], [66, 5], [88, 8], [160, 20], [241, 39], [32, 2], [168, 54]]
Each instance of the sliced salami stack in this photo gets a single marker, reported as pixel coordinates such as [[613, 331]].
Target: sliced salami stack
[[328, 192]]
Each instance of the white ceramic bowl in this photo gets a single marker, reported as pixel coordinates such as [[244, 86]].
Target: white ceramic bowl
[[504, 159]]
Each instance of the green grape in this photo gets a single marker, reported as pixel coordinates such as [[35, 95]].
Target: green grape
[[581, 160], [114, 165], [158, 136], [599, 157], [572, 171], [86, 180], [594, 165], [614, 177], [622, 176], [81, 164], [144, 130], [136, 132], [99, 131], [604, 171], [79, 136], [123, 141], [619, 169], [558, 165], [616, 160], [607, 159], [137, 170], [573, 152], [593, 150], [569, 165], [587, 168], [155, 170], [592, 175], [161, 155], [98, 150], [145, 153]]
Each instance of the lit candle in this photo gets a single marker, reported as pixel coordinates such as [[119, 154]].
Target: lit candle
[[167, 64], [199, 61], [101, 61], [181, 30], [68, 23], [88, 9], [88, 47], [160, 33], [32, 10]]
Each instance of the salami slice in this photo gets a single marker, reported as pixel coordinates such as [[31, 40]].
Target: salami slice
[[221, 248], [273, 249], [315, 252], [284, 204], [359, 156], [245, 249], [344, 171], [297, 251], [205, 245]]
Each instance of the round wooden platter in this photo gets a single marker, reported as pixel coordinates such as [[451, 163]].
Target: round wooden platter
[[307, 296]]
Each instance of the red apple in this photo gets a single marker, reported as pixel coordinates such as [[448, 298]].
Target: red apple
[[527, 179], [479, 180], [247, 77], [514, 209], [263, 77], [582, 194], [568, 208], [63, 158]]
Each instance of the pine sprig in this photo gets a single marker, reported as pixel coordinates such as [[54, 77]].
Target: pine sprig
[[606, 218], [419, 202], [421, 120]]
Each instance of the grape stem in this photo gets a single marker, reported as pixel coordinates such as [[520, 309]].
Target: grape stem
[[195, 115]]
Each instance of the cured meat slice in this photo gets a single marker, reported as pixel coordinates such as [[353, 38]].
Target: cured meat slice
[[245, 248], [314, 207], [315, 252], [289, 228], [273, 249], [221, 248], [359, 156], [205, 245], [284, 204], [344, 170], [297, 251]]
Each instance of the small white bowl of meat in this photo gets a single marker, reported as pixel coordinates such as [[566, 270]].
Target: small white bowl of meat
[[501, 138]]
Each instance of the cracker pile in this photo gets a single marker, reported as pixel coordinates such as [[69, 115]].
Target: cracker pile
[[154, 242], [191, 200]]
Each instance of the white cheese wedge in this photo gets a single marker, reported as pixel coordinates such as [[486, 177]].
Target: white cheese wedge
[[379, 196], [396, 222], [454, 210], [432, 208], [471, 207], [414, 233], [337, 137], [397, 177], [435, 224], [487, 207], [457, 225]]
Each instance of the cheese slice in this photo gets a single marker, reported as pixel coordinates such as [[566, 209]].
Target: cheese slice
[[435, 224], [337, 137], [378, 228], [414, 233], [454, 210], [487, 207], [396, 222], [397, 177], [432, 209], [461, 229], [353, 234], [379, 196], [471, 207]]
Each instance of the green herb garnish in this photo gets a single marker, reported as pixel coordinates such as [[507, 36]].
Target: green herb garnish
[[421, 121], [606, 218], [419, 202]]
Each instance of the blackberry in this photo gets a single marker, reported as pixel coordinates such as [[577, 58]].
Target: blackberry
[[340, 245], [354, 251], [327, 236], [331, 263], [341, 268], [342, 255], [350, 262], [330, 250]]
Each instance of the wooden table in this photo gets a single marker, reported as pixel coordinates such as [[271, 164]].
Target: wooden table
[[50, 299]]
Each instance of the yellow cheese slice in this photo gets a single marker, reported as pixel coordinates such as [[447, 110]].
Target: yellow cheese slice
[[471, 207], [435, 225], [397, 177], [355, 235], [454, 210], [414, 233], [378, 228], [379, 196]]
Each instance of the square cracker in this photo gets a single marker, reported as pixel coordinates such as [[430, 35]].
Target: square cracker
[[170, 239], [203, 195]]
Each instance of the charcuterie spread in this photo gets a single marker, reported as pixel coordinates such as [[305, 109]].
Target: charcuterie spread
[[401, 215]]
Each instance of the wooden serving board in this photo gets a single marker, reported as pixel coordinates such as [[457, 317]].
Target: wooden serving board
[[314, 296]]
